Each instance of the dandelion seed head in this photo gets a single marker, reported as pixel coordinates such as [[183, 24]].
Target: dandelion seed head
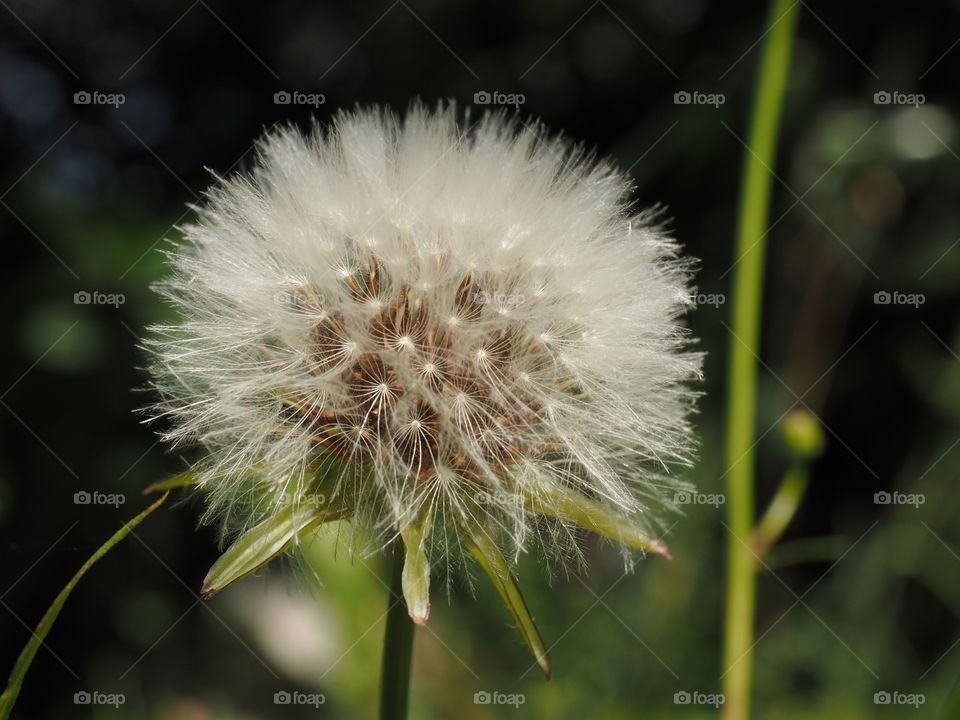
[[458, 317]]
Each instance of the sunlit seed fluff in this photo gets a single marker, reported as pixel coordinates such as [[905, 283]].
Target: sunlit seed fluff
[[452, 319]]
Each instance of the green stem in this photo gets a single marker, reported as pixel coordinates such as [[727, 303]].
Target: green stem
[[29, 652], [781, 510], [397, 647], [744, 348]]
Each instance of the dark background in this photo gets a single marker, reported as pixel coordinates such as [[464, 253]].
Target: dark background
[[860, 598]]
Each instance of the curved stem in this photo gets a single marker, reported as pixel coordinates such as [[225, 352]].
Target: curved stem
[[781, 510], [9, 697], [744, 349], [397, 646]]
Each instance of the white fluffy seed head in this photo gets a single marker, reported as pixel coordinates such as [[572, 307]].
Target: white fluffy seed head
[[424, 315]]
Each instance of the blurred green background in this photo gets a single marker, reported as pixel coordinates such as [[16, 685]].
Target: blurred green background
[[861, 597]]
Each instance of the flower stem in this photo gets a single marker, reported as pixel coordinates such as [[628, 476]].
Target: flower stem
[[744, 349], [781, 510], [397, 647]]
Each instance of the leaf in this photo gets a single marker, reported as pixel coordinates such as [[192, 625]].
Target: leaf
[[573, 507], [487, 553], [416, 568], [178, 481], [15, 682], [262, 543]]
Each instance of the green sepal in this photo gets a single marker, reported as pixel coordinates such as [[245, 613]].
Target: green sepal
[[262, 543], [178, 481], [577, 509], [416, 567], [485, 550]]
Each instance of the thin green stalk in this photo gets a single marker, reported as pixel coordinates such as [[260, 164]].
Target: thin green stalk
[[397, 647], [744, 348], [20, 668], [781, 511]]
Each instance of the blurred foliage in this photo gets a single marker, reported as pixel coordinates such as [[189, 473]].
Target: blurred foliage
[[860, 597]]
